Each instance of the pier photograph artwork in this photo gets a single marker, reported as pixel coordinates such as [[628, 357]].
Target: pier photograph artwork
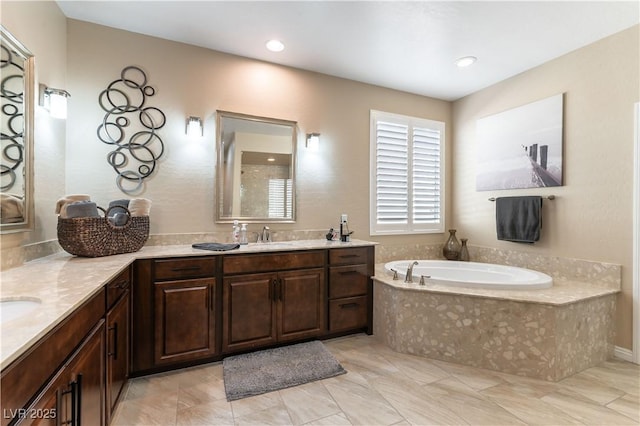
[[521, 147]]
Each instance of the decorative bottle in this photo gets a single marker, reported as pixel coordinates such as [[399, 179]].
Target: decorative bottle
[[464, 251], [235, 234], [451, 249]]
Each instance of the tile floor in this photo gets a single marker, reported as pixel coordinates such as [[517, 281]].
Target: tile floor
[[383, 387]]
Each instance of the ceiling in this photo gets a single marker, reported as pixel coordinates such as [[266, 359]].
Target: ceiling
[[408, 46]]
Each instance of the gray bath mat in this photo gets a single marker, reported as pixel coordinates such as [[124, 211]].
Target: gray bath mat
[[273, 369]]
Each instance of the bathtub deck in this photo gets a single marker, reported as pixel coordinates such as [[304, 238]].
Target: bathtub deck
[[546, 334]]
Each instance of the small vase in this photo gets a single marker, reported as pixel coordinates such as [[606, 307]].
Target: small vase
[[451, 249], [464, 251]]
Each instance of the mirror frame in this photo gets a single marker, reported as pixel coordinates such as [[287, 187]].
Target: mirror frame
[[28, 112], [219, 186]]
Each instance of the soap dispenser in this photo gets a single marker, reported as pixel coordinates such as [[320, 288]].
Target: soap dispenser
[[243, 235]]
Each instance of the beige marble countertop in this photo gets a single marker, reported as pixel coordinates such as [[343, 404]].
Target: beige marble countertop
[[63, 282], [562, 292]]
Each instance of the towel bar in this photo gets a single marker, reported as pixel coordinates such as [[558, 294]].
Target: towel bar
[[549, 197]]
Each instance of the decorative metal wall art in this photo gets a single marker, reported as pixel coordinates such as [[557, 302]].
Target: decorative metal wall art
[[131, 127], [12, 117]]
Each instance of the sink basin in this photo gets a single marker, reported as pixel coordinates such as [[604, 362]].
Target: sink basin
[[12, 309]]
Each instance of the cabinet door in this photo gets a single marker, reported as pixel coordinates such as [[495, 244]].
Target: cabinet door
[[86, 370], [300, 304], [50, 407], [184, 320], [117, 351], [248, 311]]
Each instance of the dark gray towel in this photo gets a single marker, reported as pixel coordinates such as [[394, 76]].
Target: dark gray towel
[[215, 246], [519, 219]]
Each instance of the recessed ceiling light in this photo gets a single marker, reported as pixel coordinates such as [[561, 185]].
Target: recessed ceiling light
[[275, 45], [466, 61]]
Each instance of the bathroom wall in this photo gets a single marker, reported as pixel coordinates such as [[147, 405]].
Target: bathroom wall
[[194, 81], [591, 216], [42, 28]]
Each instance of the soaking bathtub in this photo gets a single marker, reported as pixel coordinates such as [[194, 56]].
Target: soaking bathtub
[[471, 274]]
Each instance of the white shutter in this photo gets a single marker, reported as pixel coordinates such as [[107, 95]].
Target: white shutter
[[392, 169], [280, 198], [407, 167], [426, 175]]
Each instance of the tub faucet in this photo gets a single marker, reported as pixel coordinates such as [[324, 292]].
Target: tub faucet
[[409, 277]]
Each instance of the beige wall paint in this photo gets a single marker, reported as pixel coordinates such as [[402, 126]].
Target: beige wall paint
[[591, 216], [195, 81], [42, 28]]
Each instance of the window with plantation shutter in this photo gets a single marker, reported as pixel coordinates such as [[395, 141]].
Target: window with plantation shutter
[[280, 197], [407, 169]]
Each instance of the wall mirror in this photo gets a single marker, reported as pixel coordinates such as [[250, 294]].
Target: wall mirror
[[16, 126], [255, 169]]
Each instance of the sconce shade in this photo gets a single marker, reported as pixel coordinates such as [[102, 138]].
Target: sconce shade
[[54, 101], [194, 127], [313, 141]]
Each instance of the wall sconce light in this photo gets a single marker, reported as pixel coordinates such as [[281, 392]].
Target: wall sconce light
[[54, 101], [194, 127], [313, 141]]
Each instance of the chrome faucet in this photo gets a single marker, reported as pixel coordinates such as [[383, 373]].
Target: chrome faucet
[[408, 278], [265, 237]]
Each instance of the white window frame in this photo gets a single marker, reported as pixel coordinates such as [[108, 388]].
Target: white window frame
[[409, 227]]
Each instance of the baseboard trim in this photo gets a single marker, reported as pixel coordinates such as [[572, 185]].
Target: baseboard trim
[[623, 354]]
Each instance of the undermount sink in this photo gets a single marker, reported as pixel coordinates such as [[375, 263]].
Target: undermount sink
[[16, 308]]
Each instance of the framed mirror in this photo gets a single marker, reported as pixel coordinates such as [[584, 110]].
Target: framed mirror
[[16, 127], [255, 169]]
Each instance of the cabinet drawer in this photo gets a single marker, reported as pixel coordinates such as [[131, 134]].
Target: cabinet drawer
[[271, 262], [345, 281], [117, 287], [171, 269], [348, 256], [348, 313]]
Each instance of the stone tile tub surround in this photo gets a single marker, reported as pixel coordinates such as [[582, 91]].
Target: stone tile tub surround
[[547, 334]]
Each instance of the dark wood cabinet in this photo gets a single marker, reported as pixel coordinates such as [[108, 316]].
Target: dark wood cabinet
[[75, 395], [117, 348], [161, 314], [248, 312], [184, 320], [86, 371], [350, 289], [39, 387], [260, 309], [176, 306], [301, 303]]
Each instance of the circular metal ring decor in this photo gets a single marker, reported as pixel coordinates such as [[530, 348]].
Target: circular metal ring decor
[[130, 127], [12, 117]]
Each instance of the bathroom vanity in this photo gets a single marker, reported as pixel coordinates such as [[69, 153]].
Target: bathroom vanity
[[195, 309], [167, 307]]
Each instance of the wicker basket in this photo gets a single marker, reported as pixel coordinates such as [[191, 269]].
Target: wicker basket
[[97, 236]]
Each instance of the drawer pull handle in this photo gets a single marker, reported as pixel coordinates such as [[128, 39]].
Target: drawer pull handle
[[349, 273], [348, 256], [186, 269], [114, 353], [121, 284], [349, 305]]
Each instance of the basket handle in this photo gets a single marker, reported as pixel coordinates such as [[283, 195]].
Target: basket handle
[[113, 225]]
